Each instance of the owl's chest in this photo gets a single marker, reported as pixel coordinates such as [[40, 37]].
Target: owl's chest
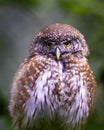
[[58, 86], [59, 83], [59, 91]]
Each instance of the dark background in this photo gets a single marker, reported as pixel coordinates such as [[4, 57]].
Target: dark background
[[21, 19]]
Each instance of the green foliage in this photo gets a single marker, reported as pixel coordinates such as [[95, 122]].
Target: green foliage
[[83, 7], [21, 3]]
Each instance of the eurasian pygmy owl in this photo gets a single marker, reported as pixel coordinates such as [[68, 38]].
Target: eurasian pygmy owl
[[55, 81]]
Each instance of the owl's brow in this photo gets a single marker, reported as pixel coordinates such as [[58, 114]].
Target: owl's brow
[[51, 41], [73, 37], [65, 38], [47, 39]]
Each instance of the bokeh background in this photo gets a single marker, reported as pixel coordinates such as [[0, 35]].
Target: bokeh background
[[21, 19]]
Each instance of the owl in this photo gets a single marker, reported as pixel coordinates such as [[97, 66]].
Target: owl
[[55, 81]]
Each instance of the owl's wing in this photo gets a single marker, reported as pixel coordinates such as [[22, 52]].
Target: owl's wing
[[79, 92], [22, 88]]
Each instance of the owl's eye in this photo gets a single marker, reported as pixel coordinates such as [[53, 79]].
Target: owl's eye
[[48, 45], [67, 44]]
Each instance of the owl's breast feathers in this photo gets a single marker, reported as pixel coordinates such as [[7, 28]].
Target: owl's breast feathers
[[41, 88]]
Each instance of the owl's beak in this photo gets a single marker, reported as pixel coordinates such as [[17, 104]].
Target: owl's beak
[[58, 53]]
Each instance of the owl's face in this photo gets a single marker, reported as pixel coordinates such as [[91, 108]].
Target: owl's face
[[59, 39]]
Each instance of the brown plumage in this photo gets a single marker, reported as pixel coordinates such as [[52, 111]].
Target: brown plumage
[[55, 81]]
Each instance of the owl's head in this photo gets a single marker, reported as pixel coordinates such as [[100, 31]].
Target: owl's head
[[57, 40]]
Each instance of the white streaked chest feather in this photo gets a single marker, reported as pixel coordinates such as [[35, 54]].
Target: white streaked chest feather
[[43, 98]]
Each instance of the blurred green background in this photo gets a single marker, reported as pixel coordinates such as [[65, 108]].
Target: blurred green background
[[21, 19]]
